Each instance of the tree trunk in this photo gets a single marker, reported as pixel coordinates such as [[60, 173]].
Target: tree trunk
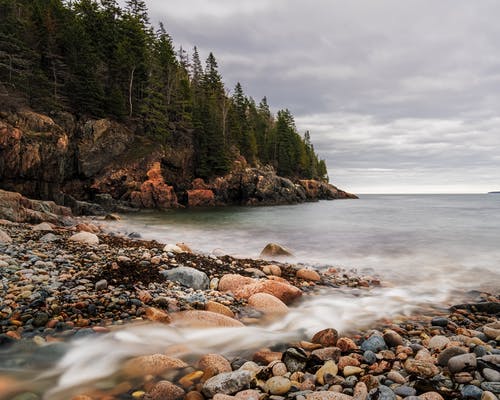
[[131, 83]]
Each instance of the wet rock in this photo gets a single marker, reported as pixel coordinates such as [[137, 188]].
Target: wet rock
[[439, 321], [369, 357], [493, 387], [488, 396], [85, 237], [112, 217], [189, 277], [295, 359], [326, 337], [461, 362], [374, 343], [392, 338], [154, 364], [322, 395], [471, 392], [405, 391], [492, 330], [381, 393], [421, 368], [227, 383], [267, 304], [157, 315], [346, 345], [165, 390], [308, 274], [491, 375], [40, 319], [326, 372], [267, 356], [271, 269], [198, 318], [273, 249], [219, 308], [172, 248], [448, 353], [101, 285], [438, 342], [430, 396], [232, 282], [283, 291], [215, 362], [278, 385], [327, 353], [279, 369]]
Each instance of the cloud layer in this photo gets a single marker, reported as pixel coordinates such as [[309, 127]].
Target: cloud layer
[[400, 96]]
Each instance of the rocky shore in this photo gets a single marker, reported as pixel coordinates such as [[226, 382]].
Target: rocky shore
[[63, 283]]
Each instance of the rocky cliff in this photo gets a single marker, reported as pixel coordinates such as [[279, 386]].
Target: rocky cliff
[[78, 163]]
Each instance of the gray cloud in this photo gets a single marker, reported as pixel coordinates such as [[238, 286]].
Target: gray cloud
[[398, 95]]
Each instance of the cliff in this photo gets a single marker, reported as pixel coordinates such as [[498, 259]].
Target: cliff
[[81, 163]]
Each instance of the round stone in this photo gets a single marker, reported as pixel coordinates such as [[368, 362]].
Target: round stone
[[471, 392], [278, 385]]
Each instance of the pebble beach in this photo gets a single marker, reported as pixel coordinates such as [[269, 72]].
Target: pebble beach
[[61, 286]]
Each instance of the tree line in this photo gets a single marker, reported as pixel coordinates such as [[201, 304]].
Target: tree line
[[97, 59]]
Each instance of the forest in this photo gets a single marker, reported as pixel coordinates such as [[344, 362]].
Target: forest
[[96, 59]]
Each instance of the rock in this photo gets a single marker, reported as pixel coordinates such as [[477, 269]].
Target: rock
[[405, 391], [232, 282], [369, 357], [351, 370], [326, 372], [396, 377], [40, 319], [326, 337], [249, 394], [295, 359], [172, 248], [438, 342], [279, 369], [101, 285], [491, 375], [156, 315], [461, 362], [154, 192], [327, 353], [201, 198], [273, 250], [285, 292], [4, 237], [488, 396], [44, 226], [439, 321], [219, 308], [271, 269], [165, 390], [471, 392], [374, 343], [392, 338], [204, 319], [381, 393], [227, 383], [421, 368], [278, 385], [346, 345], [112, 217], [448, 353], [17, 208], [492, 330], [49, 238], [216, 362], [322, 395], [491, 387], [267, 356], [189, 277], [308, 274], [267, 304], [430, 396], [154, 364], [360, 391], [85, 237]]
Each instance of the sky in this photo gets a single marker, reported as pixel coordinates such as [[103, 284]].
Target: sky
[[399, 96]]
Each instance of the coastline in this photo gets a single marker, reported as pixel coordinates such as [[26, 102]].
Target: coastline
[[58, 289]]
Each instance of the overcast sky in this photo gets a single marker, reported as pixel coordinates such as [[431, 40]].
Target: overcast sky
[[399, 96]]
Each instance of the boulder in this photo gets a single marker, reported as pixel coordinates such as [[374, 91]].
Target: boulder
[[308, 274], [154, 364], [227, 383], [44, 226], [219, 308], [274, 250], [85, 238], [215, 362], [204, 319], [4, 237], [267, 304], [154, 192], [189, 277], [285, 292], [232, 282], [165, 390]]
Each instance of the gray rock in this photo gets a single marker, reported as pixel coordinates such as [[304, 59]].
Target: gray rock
[[374, 343], [227, 383], [295, 359], [471, 392], [101, 285], [381, 393], [189, 277], [48, 238], [44, 226], [448, 353], [493, 387], [369, 357], [405, 391], [461, 362], [439, 321], [491, 375], [85, 237]]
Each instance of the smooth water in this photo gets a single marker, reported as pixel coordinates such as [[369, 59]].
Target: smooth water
[[441, 242], [430, 248]]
